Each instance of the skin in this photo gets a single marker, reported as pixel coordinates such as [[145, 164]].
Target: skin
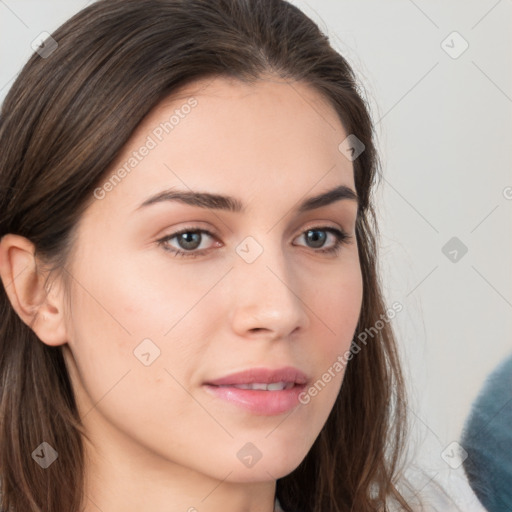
[[160, 442]]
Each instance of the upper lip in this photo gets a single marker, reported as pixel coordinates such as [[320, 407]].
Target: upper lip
[[262, 375]]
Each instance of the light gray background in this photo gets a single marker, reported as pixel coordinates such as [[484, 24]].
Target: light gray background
[[445, 130]]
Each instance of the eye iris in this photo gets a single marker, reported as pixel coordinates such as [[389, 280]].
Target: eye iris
[[191, 240], [188, 237], [312, 236]]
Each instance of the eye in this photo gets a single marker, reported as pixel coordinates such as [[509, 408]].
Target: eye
[[317, 236], [190, 239]]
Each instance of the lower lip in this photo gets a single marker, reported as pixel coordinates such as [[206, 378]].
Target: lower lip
[[266, 403]]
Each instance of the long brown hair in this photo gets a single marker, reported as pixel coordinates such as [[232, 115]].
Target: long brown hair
[[62, 124]]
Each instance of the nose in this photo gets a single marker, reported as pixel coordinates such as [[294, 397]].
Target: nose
[[267, 296]]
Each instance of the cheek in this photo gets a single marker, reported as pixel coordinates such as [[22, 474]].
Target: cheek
[[128, 298], [128, 316], [338, 306], [154, 295], [124, 370]]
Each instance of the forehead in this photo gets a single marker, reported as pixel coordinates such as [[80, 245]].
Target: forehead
[[228, 136]]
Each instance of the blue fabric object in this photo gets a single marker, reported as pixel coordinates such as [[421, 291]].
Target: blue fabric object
[[487, 437]]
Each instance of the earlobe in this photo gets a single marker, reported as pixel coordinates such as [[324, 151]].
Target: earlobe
[[24, 285]]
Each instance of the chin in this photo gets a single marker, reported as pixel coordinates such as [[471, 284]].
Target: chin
[[277, 465]]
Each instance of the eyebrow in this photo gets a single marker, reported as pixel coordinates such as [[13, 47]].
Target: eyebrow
[[232, 204]]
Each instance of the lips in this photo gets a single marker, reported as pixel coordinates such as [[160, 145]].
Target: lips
[[261, 391], [287, 375]]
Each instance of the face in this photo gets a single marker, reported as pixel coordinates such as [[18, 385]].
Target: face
[[258, 283]]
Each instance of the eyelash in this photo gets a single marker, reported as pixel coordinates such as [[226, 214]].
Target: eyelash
[[342, 238]]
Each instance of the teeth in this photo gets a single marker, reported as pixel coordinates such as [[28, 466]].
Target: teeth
[[275, 386]]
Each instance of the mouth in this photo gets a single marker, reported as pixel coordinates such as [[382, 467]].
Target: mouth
[[261, 386], [261, 391]]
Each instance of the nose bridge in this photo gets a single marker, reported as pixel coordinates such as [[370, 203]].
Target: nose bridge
[[267, 291]]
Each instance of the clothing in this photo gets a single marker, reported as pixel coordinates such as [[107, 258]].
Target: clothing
[[277, 506], [440, 493], [443, 491]]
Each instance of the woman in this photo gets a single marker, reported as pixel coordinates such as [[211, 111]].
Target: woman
[[191, 310]]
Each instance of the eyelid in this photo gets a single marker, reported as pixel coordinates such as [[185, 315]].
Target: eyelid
[[214, 233], [341, 235], [190, 229]]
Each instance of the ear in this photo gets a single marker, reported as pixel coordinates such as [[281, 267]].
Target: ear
[[24, 284]]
